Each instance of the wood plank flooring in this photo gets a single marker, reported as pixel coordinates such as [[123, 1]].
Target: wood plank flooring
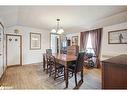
[[33, 77]]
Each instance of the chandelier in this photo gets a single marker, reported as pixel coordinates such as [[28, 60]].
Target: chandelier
[[58, 29]]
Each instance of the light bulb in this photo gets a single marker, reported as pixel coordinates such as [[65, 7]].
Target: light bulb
[[53, 31], [60, 31]]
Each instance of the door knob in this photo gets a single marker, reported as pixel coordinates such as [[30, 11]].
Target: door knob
[[0, 54]]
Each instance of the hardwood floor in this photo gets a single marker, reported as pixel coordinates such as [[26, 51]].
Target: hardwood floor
[[33, 77]]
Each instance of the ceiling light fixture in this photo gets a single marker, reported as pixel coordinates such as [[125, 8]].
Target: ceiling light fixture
[[57, 29]]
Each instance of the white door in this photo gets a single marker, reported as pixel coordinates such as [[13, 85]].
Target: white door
[[1, 51], [13, 50]]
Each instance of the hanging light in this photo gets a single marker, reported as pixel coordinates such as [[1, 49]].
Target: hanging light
[[53, 31], [58, 29]]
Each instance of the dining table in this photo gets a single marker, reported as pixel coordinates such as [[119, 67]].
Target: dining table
[[65, 59]]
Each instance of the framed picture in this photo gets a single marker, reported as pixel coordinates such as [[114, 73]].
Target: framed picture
[[35, 41], [117, 37], [74, 40]]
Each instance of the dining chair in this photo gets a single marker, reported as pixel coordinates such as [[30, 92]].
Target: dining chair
[[77, 66], [47, 63], [56, 69], [48, 51]]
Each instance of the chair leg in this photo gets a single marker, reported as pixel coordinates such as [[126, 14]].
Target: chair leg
[[47, 69], [43, 66], [64, 73], [76, 79], [71, 74], [55, 74], [82, 75], [50, 70]]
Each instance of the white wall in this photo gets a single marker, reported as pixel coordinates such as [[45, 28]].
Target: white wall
[[31, 56], [110, 50], [111, 20], [4, 52]]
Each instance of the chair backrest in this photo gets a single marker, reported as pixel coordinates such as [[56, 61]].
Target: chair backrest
[[48, 51], [52, 60], [79, 62], [48, 58], [48, 54]]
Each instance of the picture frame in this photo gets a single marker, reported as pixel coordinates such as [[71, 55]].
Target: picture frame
[[35, 41], [117, 37], [74, 40]]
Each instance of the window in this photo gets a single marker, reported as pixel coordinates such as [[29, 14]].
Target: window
[[64, 44], [89, 48]]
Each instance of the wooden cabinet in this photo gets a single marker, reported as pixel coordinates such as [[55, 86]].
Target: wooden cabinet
[[114, 73], [72, 50]]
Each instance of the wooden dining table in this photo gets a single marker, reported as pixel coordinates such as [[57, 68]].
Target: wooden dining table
[[65, 60]]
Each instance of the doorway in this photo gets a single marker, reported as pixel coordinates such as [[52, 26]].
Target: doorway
[[54, 43], [13, 50], [58, 43]]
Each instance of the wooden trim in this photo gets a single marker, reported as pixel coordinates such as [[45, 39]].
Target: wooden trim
[[2, 25], [109, 38], [13, 66], [20, 48], [6, 49], [115, 31], [30, 41], [118, 30]]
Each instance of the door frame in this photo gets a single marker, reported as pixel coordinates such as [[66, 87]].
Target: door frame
[[20, 49]]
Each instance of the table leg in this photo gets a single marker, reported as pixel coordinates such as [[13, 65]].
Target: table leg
[[66, 76]]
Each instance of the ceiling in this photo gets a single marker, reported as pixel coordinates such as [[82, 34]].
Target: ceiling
[[44, 17]]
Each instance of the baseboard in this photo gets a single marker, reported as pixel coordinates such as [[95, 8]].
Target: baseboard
[[32, 63], [13, 65]]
